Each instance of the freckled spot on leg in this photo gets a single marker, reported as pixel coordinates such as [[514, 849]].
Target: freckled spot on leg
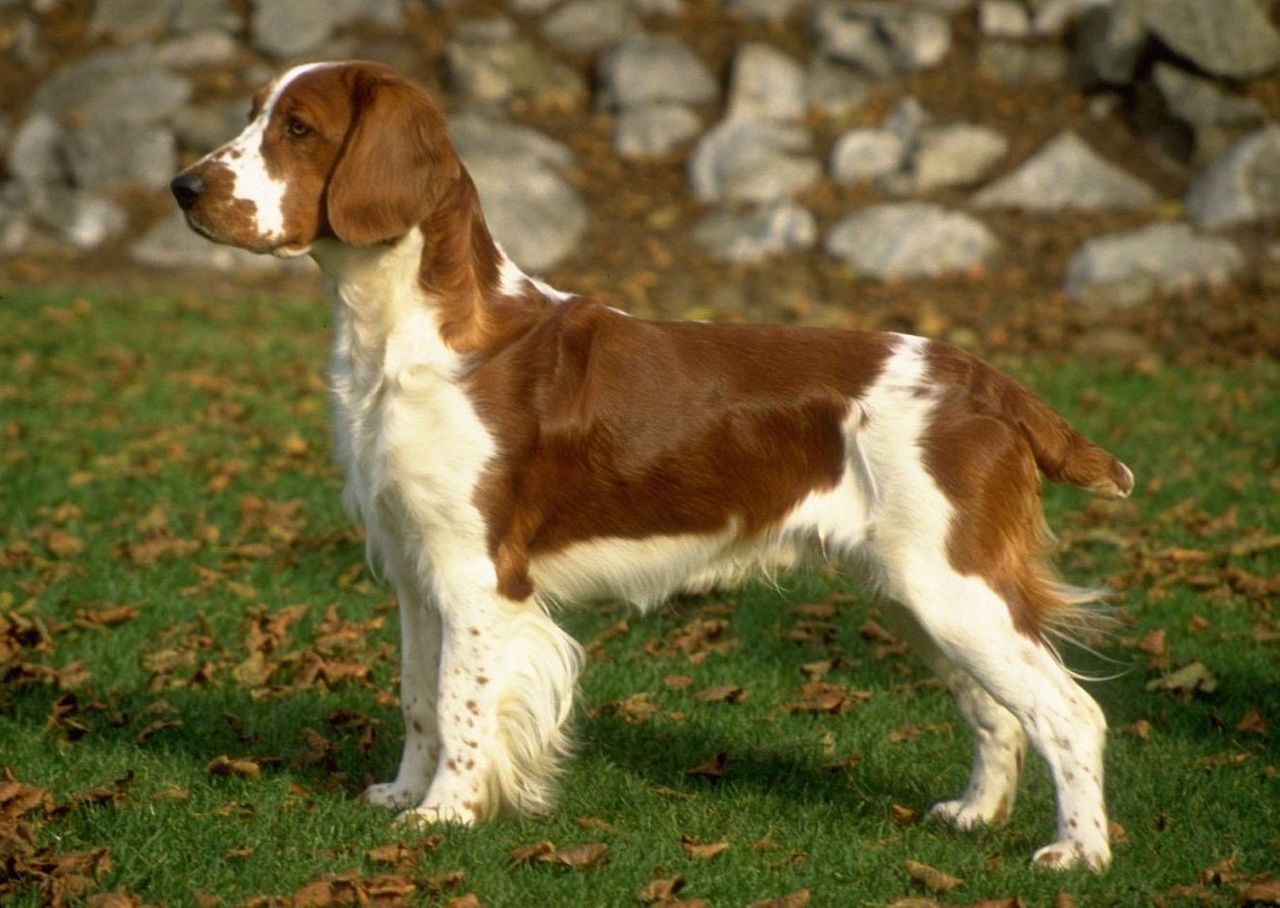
[[417, 726], [470, 764], [471, 706], [473, 631], [481, 679], [452, 764]]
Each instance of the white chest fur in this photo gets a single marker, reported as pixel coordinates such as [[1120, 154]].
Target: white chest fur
[[408, 438]]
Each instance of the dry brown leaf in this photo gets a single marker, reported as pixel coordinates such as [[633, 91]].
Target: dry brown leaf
[[468, 900], [712, 769], [527, 854], [723, 693], [226, 766], [1259, 892], [105, 617], [1063, 900], [818, 697], [244, 851], [677, 682], [703, 851], [1153, 642], [853, 761], [1253, 723], [116, 898], [931, 878], [661, 889], [1186, 681], [902, 815], [578, 857]]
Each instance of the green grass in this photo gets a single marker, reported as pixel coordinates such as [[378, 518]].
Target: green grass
[[150, 452]]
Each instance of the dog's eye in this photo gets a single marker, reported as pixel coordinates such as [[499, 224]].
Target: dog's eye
[[296, 128]]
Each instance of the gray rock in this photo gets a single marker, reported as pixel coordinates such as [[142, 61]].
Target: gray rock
[[531, 7], [33, 157], [907, 118], [864, 155], [836, 90], [1124, 269], [487, 62], [120, 85], [1201, 102], [1021, 64], [129, 20], [198, 49], [1052, 17], [645, 69], [750, 160], [882, 38], [1241, 185], [202, 129], [649, 130], [80, 218], [15, 221], [285, 28], [1232, 38], [529, 205], [113, 154], [956, 154], [1004, 19], [910, 240], [767, 83], [1109, 42], [587, 26], [171, 244], [476, 136], [203, 15], [1065, 174], [759, 234], [766, 10]]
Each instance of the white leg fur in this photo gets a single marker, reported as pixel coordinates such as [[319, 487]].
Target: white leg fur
[[971, 627], [507, 679], [999, 744]]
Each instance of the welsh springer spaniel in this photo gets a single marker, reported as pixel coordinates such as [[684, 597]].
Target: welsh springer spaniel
[[509, 447]]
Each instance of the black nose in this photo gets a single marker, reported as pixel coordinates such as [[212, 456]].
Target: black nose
[[186, 188]]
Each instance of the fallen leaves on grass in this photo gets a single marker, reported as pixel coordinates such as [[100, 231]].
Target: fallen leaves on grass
[[931, 878], [353, 889], [723, 693], [574, 857], [701, 637], [1187, 681], [660, 890], [712, 769], [703, 851], [240, 766], [823, 697]]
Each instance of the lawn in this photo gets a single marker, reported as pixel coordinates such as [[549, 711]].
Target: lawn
[[198, 674]]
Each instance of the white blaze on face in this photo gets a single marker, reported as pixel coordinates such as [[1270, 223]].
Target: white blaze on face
[[243, 157]]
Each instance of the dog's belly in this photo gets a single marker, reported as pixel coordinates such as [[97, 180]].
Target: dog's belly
[[644, 572]]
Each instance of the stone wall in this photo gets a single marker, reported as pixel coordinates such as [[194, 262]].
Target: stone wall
[[104, 100]]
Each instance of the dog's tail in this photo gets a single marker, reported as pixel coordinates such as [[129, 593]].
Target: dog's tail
[[1061, 451]]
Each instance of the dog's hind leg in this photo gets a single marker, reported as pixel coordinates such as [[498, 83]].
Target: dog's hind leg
[[971, 626]]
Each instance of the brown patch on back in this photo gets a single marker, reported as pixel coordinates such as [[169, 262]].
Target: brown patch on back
[[612, 426]]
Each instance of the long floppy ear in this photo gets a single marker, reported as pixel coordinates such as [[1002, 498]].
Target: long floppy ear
[[395, 158]]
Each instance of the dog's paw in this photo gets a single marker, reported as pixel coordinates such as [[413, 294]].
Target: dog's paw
[[1067, 854], [393, 795], [422, 817], [966, 815]]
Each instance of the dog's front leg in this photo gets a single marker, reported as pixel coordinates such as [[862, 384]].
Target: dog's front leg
[[506, 683], [420, 635]]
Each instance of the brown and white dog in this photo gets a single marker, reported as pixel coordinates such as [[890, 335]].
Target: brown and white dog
[[509, 447]]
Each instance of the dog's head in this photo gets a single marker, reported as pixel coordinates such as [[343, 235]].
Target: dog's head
[[346, 150]]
